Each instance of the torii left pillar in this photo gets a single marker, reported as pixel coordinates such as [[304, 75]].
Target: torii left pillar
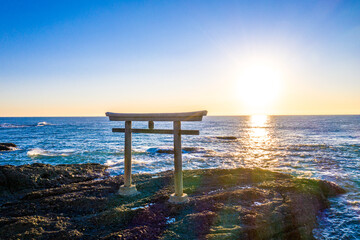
[[128, 189]]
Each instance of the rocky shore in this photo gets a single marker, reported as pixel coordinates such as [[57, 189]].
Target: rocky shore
[[76, 201]]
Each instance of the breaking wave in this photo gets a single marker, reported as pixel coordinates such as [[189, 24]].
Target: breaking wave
[[36, 152], [10, 125], [40, 124]]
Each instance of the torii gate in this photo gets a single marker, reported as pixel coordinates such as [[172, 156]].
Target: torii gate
[[129, 189]]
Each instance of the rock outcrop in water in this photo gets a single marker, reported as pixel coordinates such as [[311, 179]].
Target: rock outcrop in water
[[225, 204], [227, 137], [171, 151], [7, 146]]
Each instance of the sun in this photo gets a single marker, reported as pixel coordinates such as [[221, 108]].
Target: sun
[[259, 85]]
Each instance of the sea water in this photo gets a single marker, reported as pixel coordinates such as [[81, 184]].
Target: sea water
[[320, 147]]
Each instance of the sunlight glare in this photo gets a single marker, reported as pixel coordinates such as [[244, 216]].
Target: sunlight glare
[[258, 120], [259, 87]]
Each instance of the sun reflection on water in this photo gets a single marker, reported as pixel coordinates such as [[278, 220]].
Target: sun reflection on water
[[258, 142], [258, 128]]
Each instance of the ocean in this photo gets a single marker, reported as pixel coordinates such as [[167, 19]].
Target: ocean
[[320, 147]]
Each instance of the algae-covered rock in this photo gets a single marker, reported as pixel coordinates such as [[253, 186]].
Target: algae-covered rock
[[224, 204]]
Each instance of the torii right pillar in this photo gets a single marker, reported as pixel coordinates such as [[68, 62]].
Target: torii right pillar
[[179, 196]]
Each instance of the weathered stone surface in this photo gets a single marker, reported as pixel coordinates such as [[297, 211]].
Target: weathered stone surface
[[7, 146], [17, 180], [224, 204]]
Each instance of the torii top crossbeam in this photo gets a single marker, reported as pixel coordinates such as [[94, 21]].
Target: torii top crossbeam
[[130, 189], [185, 116]]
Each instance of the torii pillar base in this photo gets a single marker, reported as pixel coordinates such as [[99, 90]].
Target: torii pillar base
[[127, 191], [179, 199]]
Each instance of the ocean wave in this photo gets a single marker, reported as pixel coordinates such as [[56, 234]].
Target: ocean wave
[[36, 152], [9, 125], [309, 147], [41, 124]]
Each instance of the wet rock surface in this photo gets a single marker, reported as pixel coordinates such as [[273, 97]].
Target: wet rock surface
[[227, 137], [7, 146], [224, 204]]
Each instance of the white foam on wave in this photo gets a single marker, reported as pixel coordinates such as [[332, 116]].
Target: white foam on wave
[[49, 153], [41, 124], [14, 148], [110, 162]]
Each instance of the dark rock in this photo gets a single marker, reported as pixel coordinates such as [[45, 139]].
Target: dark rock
[[227, 138], [224, 204], [7, 146], [17, 180], [171, 151], [192, 149]]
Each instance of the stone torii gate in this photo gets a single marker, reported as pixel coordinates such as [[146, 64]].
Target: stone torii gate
[[129, 189]]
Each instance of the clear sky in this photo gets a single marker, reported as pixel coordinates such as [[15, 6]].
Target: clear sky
[[78, 58]]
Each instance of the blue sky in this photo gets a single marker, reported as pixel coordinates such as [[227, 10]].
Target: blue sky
[[66, 58]]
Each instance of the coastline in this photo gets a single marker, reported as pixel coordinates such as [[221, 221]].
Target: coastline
[[78, 201]]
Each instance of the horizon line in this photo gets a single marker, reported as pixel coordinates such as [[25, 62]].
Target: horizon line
[[215, 115]]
